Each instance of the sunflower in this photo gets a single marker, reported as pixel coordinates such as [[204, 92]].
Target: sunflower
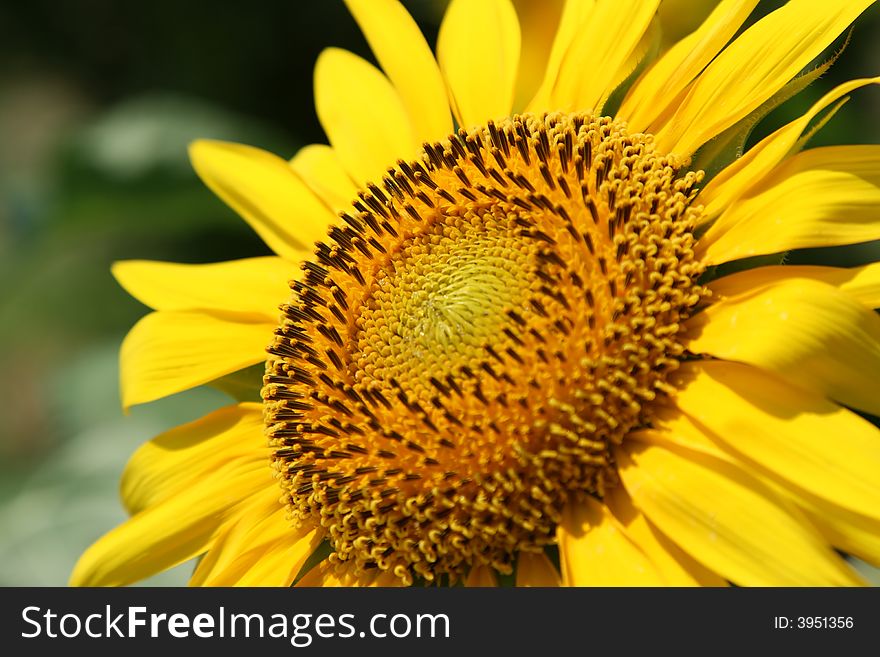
[[544, 344]]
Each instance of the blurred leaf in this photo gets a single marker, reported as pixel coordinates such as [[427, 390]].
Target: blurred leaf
[[243, 385], [866, 570], [151, 133], [71, 498]]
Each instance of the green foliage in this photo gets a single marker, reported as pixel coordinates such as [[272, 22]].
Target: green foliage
[[243, 385]]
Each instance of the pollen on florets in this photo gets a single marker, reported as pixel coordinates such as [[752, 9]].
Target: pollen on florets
[[461, 356]]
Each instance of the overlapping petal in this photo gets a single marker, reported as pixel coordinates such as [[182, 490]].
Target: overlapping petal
[[403, 53], [251, 285], [185, 456], [608, 33], [259, 548], [319, 167], [595, 550], [675, 566], [574, 15], [815, 445], [164, 535], [478, 50], [846, 530], [754, 67], [654, 95], [859, 283], [265, 192], [807, 331], [853, 533], [727, 519], [362, 114], [757, 162], [822, 197], [171, 351]]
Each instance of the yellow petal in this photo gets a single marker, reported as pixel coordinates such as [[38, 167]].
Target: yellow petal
[[326, 574], [535, 569], [362, 115], [726, 519], [192, 452], [859, 283], [653, 94], [754, 67], [673, 426], [171, 351], [594, 550], [265, 191], [851, 532], [478, 50], [821, 197], [403, 53], [169, 533], [575, 14], [320, 576], [481, 576], [760, 159], [252, 285], [806, 331], [590, 68], [320, 168], [539, 22], [676, 566], [802, 438], [260, 518], [270, 553], [275, 564]]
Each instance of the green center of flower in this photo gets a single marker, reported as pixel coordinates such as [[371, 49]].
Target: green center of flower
[[442, 298], [462, 356]]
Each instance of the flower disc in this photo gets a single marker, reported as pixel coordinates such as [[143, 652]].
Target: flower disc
[[461, 356]]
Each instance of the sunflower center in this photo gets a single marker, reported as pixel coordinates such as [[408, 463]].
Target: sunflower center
[[441, 299], [461, 357]]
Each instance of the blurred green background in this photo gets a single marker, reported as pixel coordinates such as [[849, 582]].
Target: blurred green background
[[98, 101]]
